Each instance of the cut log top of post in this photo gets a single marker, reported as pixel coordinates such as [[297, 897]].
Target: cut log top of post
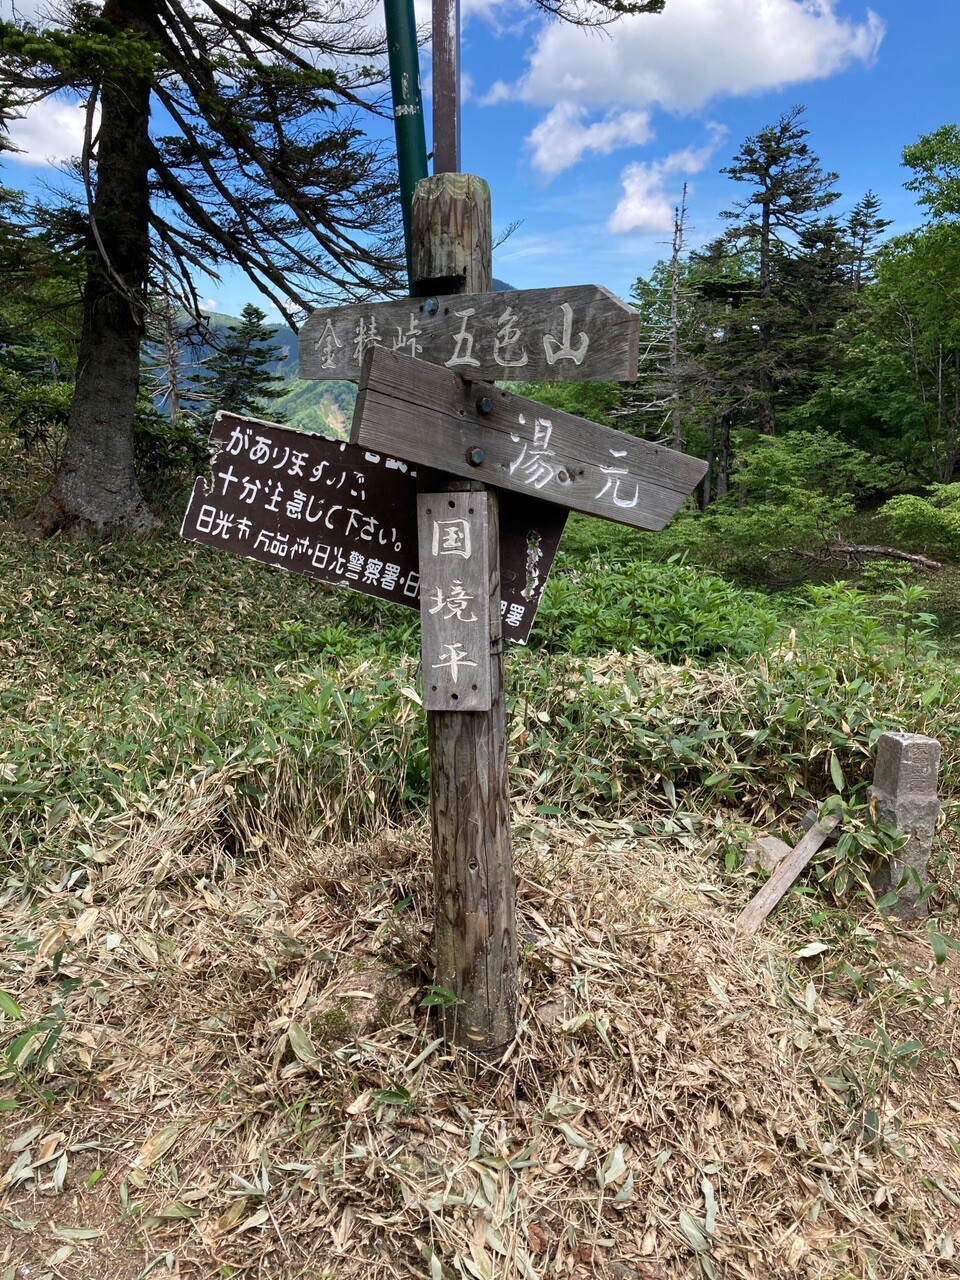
[[431, 416]]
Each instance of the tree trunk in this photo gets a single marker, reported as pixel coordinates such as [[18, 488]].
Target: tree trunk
[[676, 437], [96, 485], [706, 488], [768, 425], [723, 459]]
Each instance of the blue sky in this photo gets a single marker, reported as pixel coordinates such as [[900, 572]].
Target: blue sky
[[669, 99], [587, 138]]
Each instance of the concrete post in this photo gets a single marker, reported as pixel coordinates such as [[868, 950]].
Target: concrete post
[[905, 791]]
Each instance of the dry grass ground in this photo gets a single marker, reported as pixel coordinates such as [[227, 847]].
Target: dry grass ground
[[214, 1056], [245, 1083]]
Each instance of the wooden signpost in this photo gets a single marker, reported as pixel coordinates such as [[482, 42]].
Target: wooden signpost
[[438, 413], [428, 415]]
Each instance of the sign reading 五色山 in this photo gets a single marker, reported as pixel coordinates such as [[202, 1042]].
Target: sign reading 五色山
[[583, 333], [346, 515]]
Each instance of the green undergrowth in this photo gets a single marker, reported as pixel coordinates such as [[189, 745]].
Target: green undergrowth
[[132, 671], [673, 610]]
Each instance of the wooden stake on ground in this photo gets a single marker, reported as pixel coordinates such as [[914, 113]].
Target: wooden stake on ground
[[758, 908], [475, 930]]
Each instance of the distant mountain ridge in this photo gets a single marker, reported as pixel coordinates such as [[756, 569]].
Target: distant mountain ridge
[[312, 405], [321, 406]]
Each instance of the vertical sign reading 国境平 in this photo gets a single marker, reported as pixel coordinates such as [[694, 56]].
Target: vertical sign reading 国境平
[[455, 599], [345, 515]]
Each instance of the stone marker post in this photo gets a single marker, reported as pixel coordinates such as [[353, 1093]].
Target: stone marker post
[[905, 792]]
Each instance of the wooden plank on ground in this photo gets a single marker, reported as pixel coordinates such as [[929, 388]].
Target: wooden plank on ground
[[583, 334], [759, 907], [431, 416]]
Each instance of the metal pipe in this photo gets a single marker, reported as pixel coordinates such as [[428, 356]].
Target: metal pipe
[[407, 109]]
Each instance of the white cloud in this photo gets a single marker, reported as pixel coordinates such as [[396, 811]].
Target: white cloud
[[561, 137], [646, 205], [50, 132], [694, 52]]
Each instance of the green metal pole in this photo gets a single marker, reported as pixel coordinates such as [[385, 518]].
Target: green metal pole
[[407, 109]]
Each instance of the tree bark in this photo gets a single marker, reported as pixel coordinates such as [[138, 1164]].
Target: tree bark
[[722, 480], [706, 488], [676, 428], [857, 552], [768, 425], [96, 485]]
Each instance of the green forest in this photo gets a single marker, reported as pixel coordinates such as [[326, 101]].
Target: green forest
[[222, 1048], [807, 355]]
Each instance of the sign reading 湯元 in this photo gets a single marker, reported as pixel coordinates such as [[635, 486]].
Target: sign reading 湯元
[[347, 515], [582, 334], [433, 417]]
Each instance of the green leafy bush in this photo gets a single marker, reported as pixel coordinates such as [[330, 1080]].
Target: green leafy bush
[[789, 497], [36, 413], [674, 611], [161, 685], [930, 523]]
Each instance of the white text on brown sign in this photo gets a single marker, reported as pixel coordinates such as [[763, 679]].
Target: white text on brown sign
[[579, 334], [432, 417]]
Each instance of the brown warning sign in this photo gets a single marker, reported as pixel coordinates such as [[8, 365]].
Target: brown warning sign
[[348, 515]]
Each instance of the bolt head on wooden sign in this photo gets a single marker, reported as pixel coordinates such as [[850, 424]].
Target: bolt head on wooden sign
[[582, 334], [433, 417], [346, 515]]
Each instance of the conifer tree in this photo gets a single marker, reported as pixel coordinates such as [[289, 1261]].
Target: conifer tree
[[237, 377], [788, 190], [215, 132], [865, 227]]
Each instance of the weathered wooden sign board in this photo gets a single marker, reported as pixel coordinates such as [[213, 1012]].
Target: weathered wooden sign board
[[584, 334], [431, 416], [455, 599], [347, 515]]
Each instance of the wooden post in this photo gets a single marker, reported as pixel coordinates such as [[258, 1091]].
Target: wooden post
[[446, 86], [475, 940]]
